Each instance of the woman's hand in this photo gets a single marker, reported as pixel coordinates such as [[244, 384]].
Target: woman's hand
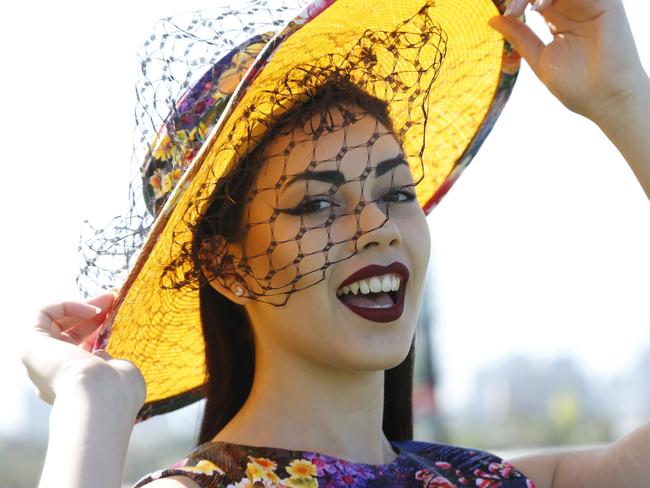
[[592, 65], [57, 351]]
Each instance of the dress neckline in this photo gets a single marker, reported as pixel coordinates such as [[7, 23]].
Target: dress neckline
[[266, 451]]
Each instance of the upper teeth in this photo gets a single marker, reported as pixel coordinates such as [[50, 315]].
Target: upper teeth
[[376, 284]]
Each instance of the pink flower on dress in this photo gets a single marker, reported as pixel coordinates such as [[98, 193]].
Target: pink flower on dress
[[432, 480], [503, 469], [487, 483]]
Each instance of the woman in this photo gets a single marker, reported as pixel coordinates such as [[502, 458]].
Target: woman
[[357, 220]]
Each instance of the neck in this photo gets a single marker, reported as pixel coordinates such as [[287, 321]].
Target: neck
[[302, 405]]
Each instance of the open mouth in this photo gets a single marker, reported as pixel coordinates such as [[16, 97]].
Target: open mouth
[[376, 292]]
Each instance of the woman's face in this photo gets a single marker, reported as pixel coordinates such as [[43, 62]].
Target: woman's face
[[335, 237]]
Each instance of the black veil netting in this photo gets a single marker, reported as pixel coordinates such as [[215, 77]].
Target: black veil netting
[[182, 50]]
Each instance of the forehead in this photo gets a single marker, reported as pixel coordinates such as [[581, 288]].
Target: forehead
[[350, 141]]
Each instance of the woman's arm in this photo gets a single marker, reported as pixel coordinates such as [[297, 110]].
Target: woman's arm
[[623, 463], [90, 426], [592, 66], [626, 122], [95, 398]]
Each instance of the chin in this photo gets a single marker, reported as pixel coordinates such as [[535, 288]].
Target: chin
[[369, 353]]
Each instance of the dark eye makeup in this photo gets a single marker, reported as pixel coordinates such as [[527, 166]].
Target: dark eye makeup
[[312, 204]]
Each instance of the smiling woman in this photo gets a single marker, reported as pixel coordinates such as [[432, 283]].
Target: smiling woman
[[307, 192], [285, 248], [327, 200]]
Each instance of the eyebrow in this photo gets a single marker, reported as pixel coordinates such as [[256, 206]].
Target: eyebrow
[[337, 178], [385, 166]]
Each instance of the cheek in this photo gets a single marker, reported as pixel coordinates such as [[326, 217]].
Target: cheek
[[417, 244], [284, 256], [424, 240], [413, 228]]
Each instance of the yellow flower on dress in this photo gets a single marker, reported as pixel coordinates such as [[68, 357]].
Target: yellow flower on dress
[[300, 482], [205, 467], [257, 472], [266, 463], [299, 468]]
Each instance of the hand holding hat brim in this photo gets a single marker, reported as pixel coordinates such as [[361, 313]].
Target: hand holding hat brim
[[592, 58]]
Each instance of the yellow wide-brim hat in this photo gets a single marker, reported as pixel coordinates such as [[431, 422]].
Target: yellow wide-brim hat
[[445, 75]]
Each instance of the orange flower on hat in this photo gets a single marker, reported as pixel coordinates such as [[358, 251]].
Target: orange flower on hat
[[165, 149], [156, 184], [176, 175], [167, 183]]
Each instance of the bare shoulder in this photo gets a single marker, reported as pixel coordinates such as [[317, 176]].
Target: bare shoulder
[[562, 468], [173, 482], [539, 468]]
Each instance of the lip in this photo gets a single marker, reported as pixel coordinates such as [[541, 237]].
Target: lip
[[380, 314]]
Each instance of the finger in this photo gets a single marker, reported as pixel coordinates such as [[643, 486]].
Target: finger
[[521, 37], [84, 327], [83, 332], [104, 300], [72, 313], [65, 314]]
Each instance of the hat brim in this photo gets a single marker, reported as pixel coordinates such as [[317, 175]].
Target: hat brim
[[451, 89]]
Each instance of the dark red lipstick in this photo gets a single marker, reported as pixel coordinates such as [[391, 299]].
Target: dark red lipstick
[[387, 314]]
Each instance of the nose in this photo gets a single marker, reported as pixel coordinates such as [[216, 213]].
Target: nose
[[376, 229]]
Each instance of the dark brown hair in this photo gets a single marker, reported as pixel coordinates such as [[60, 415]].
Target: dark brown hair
[[229, 346]]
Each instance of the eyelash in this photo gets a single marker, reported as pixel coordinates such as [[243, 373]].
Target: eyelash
[[303, 208]]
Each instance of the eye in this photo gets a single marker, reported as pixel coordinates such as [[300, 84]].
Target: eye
[[309, 205], [401, 195]]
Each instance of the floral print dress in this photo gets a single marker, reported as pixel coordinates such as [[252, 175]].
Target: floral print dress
[[418, 464]]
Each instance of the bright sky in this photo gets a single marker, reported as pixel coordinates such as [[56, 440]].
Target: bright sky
[[541, 248]]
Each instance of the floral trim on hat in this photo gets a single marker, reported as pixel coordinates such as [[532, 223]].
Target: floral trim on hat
[[196, 113]]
